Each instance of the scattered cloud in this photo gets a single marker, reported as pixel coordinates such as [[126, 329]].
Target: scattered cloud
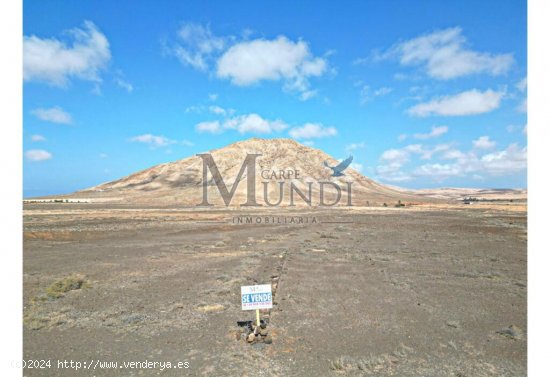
[[382, 91], [54, 115], [249, 62], [304, 96], [194, 109], [466, 103], [484, 142], [353, 146], [435, 132], [443, 55], [249, 123], [253, 123], [213, 96], [213, 127], [38, 138], [153, 140], [122, 83], [220, 110], [103, 155], [55, 62], [187, 143], [360, 61], [196, 46], [366, 94], [510, 160], [38, 155], [455, 163], [312, 131], [522, 85], [393, 160], [522, 107]]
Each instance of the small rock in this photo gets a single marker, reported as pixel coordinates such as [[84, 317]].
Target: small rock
[[512, 332], [251, 338], [453, 324]]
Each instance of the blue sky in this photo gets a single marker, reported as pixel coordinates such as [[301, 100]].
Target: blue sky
[[422, 94]]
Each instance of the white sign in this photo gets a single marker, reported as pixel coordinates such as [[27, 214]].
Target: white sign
[[256, 297]]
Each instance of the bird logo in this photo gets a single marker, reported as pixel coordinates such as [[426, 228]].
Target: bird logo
[[337, 171]]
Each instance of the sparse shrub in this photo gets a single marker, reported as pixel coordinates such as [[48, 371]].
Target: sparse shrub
[[62, 286]]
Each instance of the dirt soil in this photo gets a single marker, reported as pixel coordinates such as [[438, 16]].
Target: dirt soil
[[393, 292]]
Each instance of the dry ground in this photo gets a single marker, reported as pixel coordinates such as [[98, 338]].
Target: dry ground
[[400, 292]]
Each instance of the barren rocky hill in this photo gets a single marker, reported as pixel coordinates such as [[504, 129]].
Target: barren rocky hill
[[180, 182]]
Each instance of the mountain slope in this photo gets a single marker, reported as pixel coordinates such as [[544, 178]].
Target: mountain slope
[[180, 182]]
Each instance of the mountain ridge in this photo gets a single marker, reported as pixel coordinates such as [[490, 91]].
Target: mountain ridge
[[180, 182]]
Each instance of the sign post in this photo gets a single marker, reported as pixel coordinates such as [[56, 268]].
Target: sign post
[[256, 297]]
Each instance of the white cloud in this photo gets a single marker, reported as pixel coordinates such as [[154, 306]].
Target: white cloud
[[153, 140], [53, 115], [213, 127], [197, 46], [187, 143], [438, 171], [393, 160], [466, 103], [54, 62], [311, 131], [194, 109], [511, 160], [247, 62], [353, 146], [453, 154], [38, 138], [483, 142], [382, 91], [38, 155], [304, 96], [522, 107], [402, 137], [249, 123], [217, 110], [435, 132], [522, 85], [213, 96], [250, 62], [103, 155], [443, 55], [366, 94], [253, 123], [124, 84]]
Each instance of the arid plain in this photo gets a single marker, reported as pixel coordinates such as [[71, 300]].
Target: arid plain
[[432, 290]]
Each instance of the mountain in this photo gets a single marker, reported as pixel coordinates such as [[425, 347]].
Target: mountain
[[180, 182]]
